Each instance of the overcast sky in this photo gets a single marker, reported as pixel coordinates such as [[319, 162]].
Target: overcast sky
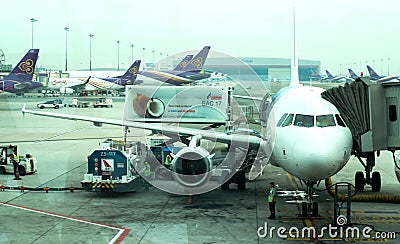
[[339, 33]]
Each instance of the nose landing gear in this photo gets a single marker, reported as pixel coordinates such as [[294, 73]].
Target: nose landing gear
[[374, 180]]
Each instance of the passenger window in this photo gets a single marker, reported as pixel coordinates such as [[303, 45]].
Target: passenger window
[[304, 120], [325, 120], [281, 119], [339, 120], [288, 120]]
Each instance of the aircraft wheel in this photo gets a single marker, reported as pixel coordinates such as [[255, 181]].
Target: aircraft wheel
[[2, 170], [225, 186], [360, 181], [241, 181], [304, 209], [315, 209], [376, 181]]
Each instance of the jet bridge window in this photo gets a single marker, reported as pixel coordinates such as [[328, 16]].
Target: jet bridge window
[[325, 120], [304, 120], [392, 113]]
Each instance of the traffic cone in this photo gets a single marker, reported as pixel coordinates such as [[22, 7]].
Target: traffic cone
[[17, 177]]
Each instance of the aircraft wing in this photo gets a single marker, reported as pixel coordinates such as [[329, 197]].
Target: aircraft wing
[[241, 140]]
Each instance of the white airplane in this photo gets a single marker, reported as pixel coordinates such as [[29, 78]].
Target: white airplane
[[310, 140]]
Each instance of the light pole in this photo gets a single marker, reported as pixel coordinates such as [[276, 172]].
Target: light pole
[[388, 65], [66, 47], [33, 21], [118, 42], [90, 51], [132, 46], [153, 55], [381, 65], [144, 64]]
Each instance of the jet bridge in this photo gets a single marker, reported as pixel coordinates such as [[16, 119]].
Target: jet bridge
[[371, 111]]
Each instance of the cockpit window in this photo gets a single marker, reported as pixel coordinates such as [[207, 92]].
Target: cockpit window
[[304, 120], [282, 119], [288, 120], [339, 120], [325, 120]]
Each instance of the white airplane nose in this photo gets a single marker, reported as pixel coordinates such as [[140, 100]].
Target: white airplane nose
[[320, 154]]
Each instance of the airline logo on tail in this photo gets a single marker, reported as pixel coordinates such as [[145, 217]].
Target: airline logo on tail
[[372, 72], [184, 63], [198, 62], [134, 70], [27, 66]]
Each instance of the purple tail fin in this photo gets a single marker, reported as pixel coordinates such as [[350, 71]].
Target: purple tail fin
[[131, 73], [372, 73], [198, 61], [330, 76], [183, 63], [24, 70], [352, 74]]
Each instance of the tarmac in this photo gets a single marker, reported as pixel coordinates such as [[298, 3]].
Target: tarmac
[[60, 216]]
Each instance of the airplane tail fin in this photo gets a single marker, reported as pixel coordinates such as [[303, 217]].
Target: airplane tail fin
[[131, 73], [183, 63], [352, 74], [198, 60], [24, 70], [372, 73], [330, 76]]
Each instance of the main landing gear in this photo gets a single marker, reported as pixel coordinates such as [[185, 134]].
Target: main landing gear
[[309, 208], [374, 180]]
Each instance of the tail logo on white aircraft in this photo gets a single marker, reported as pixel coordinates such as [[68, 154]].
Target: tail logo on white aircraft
[[197, 62], [26, 66]]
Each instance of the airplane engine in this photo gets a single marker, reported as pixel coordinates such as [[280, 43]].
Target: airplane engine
[[149, 107], [155, 108], [66, 90], [192, 166]]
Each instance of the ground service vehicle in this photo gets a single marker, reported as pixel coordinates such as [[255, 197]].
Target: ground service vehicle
[[50, 104], [27, 164], [110, 169], [103, 102]]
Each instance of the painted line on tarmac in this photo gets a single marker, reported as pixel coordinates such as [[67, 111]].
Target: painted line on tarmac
[[118, 238]]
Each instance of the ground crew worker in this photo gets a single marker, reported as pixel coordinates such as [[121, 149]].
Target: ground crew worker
[[15, 161], [146, 172], [168, 161], [271, 199]]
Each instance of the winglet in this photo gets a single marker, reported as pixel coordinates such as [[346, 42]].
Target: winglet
[[23, 109], [87, 81]]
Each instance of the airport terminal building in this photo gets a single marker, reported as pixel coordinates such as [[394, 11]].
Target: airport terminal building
[[266, 68]]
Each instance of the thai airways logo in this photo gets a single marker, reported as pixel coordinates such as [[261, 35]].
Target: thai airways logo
[[26, 66], [197, 62], [133, 70], [184, 63], [212, 96]]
